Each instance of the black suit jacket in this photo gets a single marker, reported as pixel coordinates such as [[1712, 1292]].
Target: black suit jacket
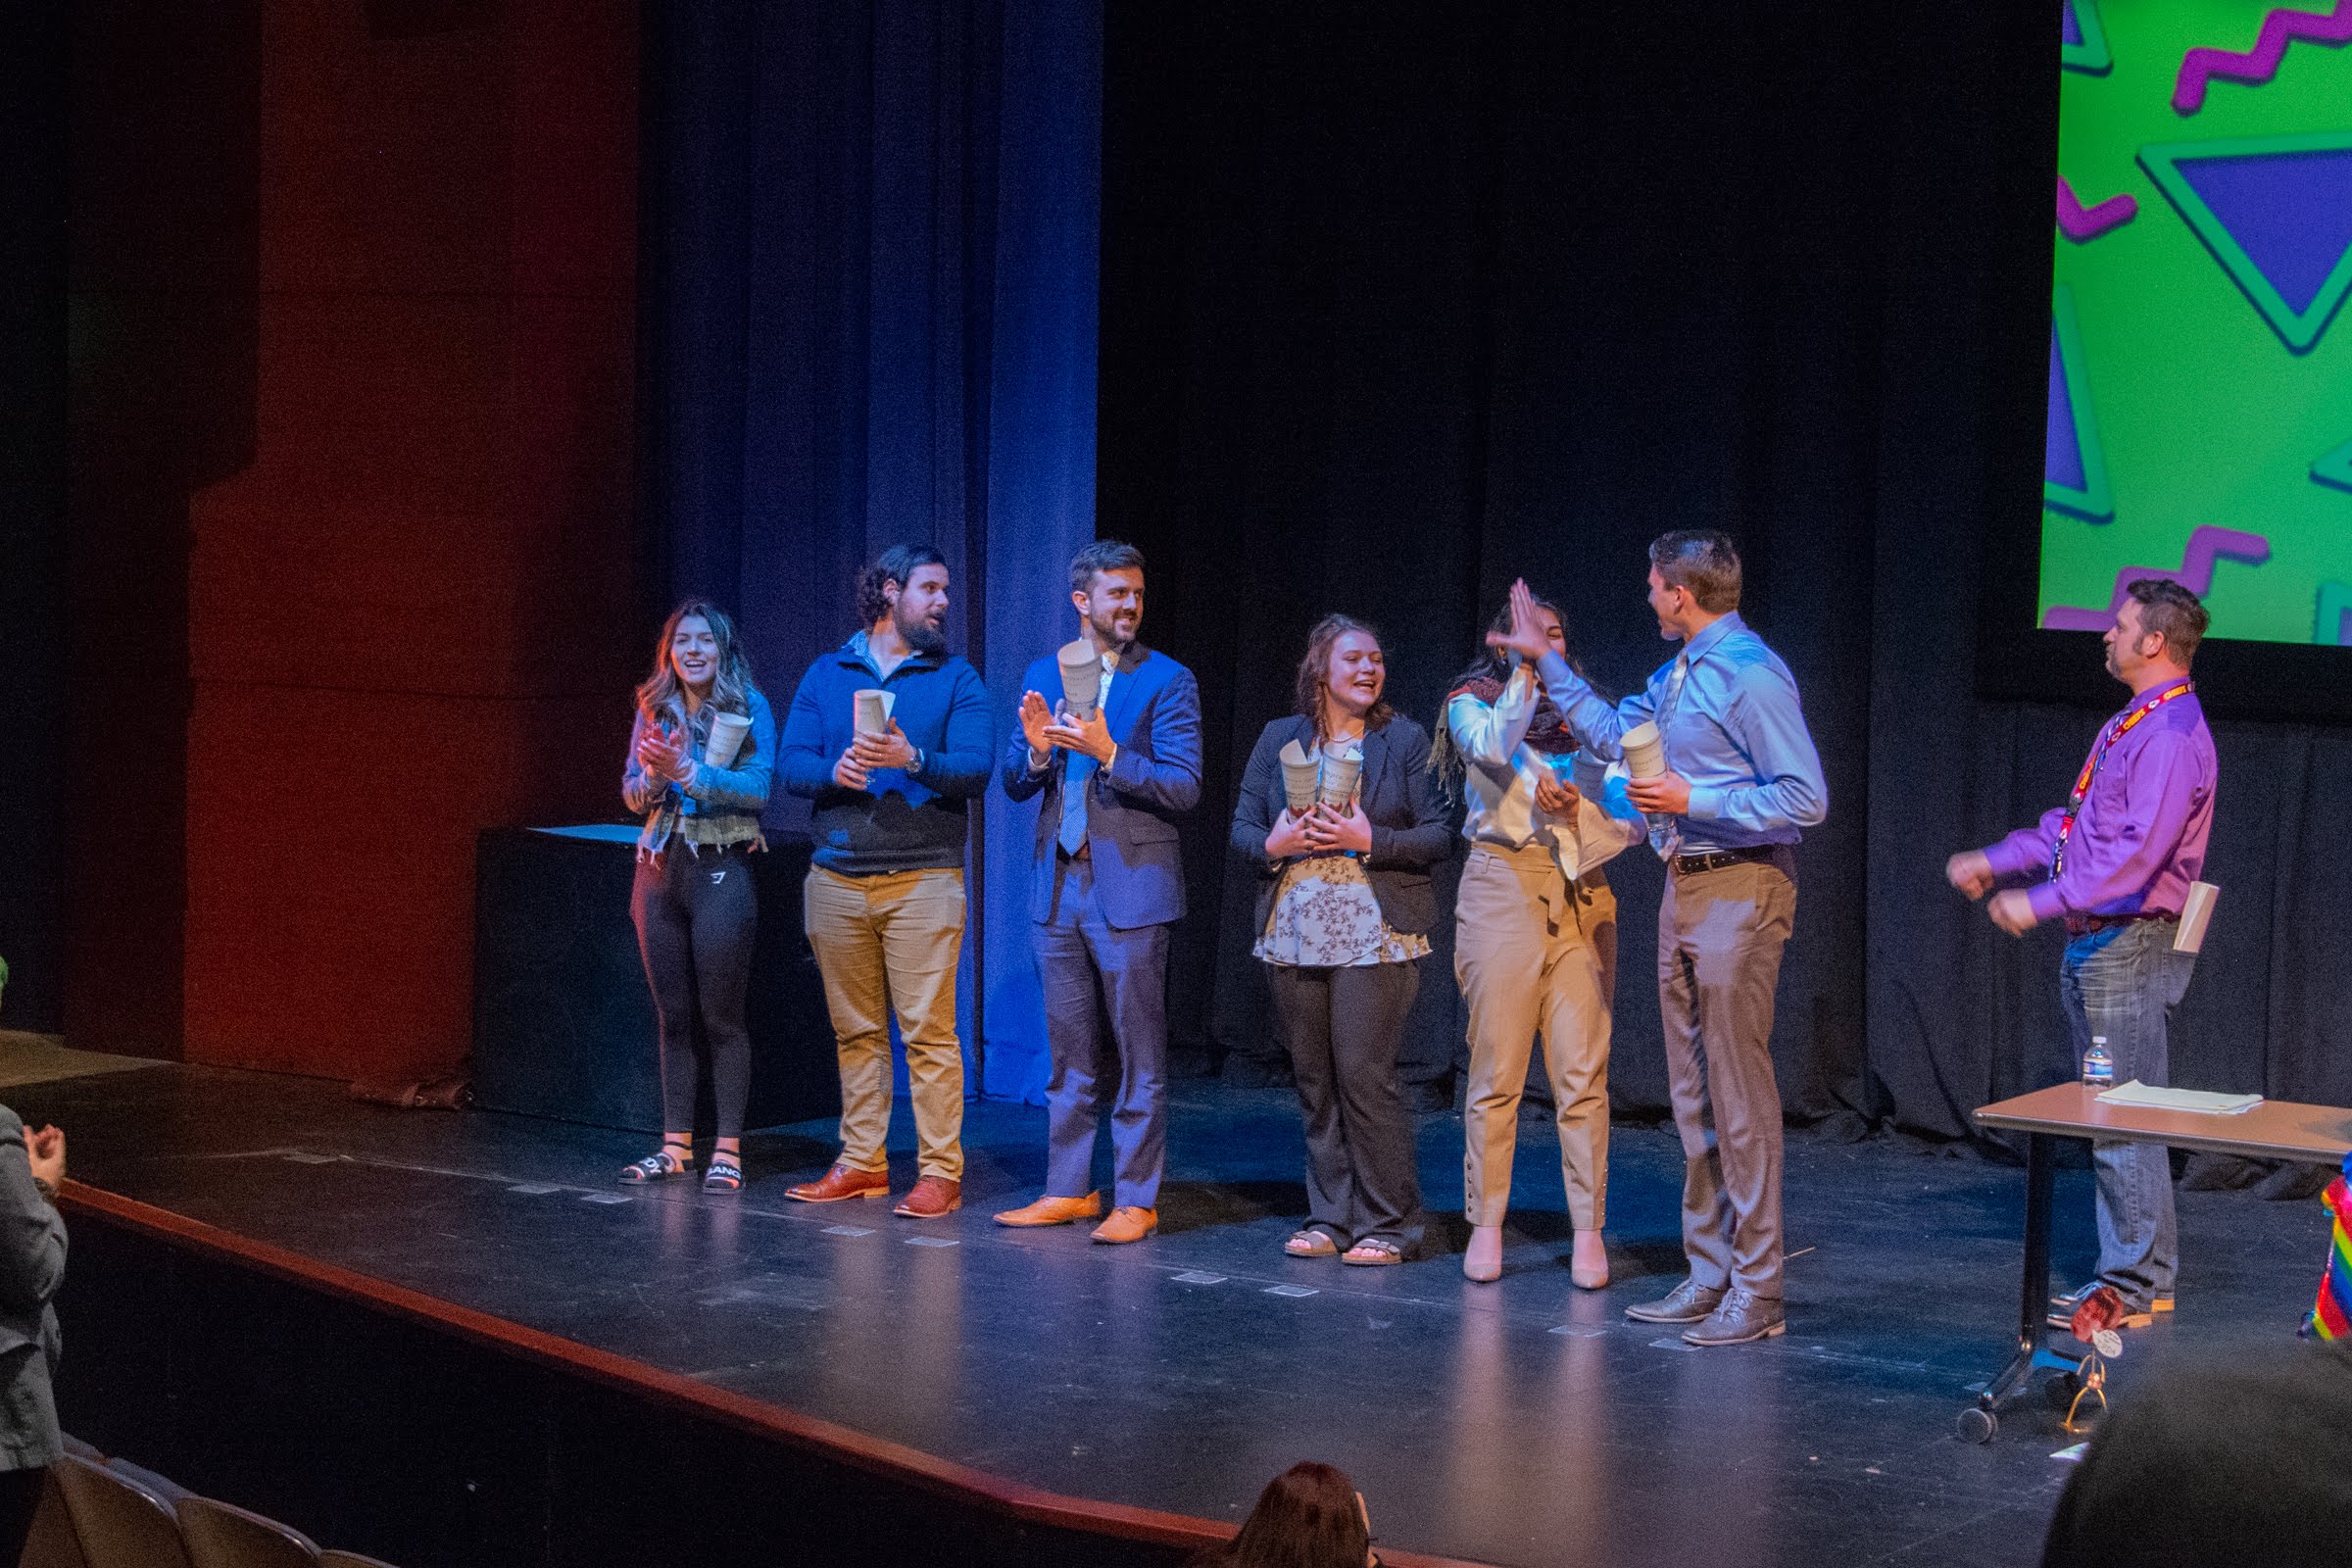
[[1409, 831]]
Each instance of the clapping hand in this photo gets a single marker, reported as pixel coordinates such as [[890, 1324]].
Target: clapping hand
[[662, 751], [1526, 637], [46, 1151], [1330, 829], [1089, 735], [1036, 718]]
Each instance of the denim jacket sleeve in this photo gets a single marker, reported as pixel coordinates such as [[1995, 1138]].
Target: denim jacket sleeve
[[745, 786], [640, 791]]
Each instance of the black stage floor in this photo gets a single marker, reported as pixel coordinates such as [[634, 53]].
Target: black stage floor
[[1523, 1422]]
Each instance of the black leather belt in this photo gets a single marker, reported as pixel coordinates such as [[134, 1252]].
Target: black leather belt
[[1717, 860]]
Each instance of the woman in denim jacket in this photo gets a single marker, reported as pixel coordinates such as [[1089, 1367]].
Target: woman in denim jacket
[[701, 754]]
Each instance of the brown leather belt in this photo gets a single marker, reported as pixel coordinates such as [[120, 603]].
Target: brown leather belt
[[2083, 925]]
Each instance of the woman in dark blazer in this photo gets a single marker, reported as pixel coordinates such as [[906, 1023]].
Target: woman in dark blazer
[[1343, 911]]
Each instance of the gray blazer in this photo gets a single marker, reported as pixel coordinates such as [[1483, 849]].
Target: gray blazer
[[32, 1264], [1409, 832]]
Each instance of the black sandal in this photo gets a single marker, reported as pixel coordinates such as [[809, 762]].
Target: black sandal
[[655, 1167], [723, 1175]]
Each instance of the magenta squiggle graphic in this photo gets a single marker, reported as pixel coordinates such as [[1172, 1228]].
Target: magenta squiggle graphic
[[2261, 63], [2083, 222], [2206, 546]]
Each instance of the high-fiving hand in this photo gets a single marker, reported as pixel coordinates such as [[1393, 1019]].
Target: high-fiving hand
[[1526, 637]]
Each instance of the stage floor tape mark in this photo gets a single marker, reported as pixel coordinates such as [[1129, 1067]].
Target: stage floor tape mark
[[849, 1230], [604, 1198], [1289, 1290], [932, 1241], [1195, 1277], [535, 1189]]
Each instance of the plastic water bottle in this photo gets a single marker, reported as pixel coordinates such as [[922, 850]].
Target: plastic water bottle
[[2099, 1067]]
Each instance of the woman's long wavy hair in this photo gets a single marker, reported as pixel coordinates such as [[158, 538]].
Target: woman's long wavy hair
[[1445, 758], [661, 695], [1311, 669], [1307, 1517]]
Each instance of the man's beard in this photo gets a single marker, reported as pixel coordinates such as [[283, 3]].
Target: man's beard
[[1106, 632], [919, 634]]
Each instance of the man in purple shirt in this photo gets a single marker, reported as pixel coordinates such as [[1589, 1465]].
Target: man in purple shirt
[[2115, 865]]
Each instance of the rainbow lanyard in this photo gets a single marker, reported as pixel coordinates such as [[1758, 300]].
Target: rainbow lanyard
[[2098, 755]]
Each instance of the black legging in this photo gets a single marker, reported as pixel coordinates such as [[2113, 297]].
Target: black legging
[[696, 915]]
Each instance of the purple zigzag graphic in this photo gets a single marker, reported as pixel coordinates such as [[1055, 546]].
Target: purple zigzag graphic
[[2083, 222], [2206, 545], [2260, 63]]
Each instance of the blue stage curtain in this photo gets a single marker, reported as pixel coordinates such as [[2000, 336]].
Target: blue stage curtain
[[868, 308]]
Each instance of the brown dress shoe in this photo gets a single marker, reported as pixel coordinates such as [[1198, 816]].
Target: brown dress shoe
[[842, 1181], [1049, 1211], [1127, 1225], [931, 1197]]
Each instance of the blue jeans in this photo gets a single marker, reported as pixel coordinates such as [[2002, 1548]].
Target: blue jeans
[[2123, 983]]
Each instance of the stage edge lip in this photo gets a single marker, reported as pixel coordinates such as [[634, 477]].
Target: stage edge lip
[[875, 1455]]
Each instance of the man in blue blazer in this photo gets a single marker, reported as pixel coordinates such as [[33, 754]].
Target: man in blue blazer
[[1107, 885]]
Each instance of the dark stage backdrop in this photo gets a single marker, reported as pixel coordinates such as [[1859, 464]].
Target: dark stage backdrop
[[1399, 302], [869, 317]]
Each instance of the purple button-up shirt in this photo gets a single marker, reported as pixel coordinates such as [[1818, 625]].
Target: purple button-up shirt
[[2140, 839]]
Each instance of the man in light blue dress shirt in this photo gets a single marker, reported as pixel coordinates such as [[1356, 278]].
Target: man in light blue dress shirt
[[1741, 780]]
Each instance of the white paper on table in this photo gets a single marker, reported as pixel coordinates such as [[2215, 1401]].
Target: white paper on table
[[2151, 1097]]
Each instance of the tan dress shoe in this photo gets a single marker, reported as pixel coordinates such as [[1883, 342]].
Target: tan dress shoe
[[1055, 1211], [931, 1197], [1127, 1225], [842, 1181]]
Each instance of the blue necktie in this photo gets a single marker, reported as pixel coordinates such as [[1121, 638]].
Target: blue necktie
[[1664, 835], [1077, 769]]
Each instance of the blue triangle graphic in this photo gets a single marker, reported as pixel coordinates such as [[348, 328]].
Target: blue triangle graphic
[[2069, 31], [2074, 469], [2290, 213], [2062, 456]]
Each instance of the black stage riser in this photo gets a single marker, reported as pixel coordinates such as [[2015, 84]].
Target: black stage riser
[[562, 1021]]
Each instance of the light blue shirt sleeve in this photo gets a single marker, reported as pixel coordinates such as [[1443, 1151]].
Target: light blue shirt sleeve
[[1597, 725]]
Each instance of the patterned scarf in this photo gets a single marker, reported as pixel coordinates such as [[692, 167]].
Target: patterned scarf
[[1548, 731]]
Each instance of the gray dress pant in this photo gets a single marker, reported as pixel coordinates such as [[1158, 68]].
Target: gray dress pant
[[1719, 937]]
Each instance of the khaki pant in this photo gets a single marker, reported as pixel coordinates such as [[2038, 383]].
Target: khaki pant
[[1719, 937], [1533, 951], [884, 944]]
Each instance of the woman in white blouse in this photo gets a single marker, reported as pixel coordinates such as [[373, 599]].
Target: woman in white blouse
[[1536, 941]]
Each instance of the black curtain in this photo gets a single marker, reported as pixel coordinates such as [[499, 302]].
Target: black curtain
[[1401, 302]]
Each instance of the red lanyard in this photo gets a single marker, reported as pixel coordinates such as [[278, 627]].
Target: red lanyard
[[2099, 753]]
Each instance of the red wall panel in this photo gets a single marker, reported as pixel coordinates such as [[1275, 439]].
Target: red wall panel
[[405, 616]]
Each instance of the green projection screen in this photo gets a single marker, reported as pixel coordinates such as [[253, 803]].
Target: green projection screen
[[2200, 386]]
